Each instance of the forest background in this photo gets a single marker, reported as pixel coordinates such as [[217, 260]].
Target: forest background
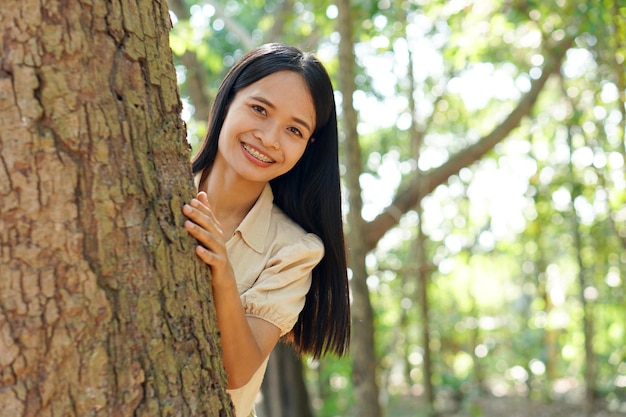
[[485, 194], [483, 165]]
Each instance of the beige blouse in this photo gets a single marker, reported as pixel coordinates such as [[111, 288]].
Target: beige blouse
[[272, 258]]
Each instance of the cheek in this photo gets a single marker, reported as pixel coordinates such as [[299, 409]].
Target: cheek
[[225, 138], [296, 151], [228, 127], [221, 141]]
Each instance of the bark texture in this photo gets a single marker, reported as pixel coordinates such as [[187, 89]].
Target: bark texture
[[103, 308]]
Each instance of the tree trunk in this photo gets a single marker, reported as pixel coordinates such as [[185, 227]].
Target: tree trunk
[[197, 80], [587, 307], [362, 344], [418, 248], [103, 308], [423, 273]]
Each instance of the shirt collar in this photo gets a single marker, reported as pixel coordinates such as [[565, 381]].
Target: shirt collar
[[254, 226]]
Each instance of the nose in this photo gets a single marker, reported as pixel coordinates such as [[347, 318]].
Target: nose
[[270, 136]]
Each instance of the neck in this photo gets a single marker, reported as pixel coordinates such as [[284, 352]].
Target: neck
[[230, 198]]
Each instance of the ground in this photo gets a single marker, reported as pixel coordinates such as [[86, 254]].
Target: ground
[[519, 407], [499, 407]]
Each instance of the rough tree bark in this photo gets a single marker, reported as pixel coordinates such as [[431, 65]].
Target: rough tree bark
[[103, 309]]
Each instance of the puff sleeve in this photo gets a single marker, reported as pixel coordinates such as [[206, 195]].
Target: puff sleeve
[[279, 292]]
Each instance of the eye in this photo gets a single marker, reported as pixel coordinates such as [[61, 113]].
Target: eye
[[295, 131], [259, 109]]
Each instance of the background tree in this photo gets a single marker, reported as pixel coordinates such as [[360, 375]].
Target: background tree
[[362, 349], [494, 193], [103, 308], [520, 109]]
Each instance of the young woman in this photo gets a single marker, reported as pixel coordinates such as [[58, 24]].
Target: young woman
[[267, 216]]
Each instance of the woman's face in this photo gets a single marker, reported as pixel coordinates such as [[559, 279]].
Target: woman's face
[[267, 127]]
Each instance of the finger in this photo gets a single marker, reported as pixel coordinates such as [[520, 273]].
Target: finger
[[218, 262], [202, 216], [202, 206], [204, 199], [205, 255], [203, 236]]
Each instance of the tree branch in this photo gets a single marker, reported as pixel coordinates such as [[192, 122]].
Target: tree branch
[[242, 33], [282, 12], [422, 184]]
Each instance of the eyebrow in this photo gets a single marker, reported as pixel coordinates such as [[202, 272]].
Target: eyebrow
[[270, 104]]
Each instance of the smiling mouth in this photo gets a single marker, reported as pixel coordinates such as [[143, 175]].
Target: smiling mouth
[[256, 154]]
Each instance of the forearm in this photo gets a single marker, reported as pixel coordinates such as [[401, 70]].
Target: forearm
[[246, 341], [241, 353]]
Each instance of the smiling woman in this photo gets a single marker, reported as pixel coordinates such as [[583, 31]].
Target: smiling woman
[[267, 217]]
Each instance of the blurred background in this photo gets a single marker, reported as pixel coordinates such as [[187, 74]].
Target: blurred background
[[483, 149]]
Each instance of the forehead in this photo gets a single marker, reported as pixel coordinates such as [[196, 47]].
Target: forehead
[[287, 91], [280, 79]]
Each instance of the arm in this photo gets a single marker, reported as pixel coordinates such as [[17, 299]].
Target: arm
[[246, 341]]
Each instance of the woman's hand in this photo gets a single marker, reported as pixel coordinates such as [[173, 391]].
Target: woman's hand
[[246, 341], [203, 226]]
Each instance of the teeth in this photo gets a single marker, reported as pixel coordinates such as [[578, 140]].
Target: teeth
[[257, 154]]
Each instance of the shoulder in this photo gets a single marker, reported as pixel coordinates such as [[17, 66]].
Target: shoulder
[[286, 233]]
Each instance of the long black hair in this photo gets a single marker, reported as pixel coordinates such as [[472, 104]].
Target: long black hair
[[310, 193]]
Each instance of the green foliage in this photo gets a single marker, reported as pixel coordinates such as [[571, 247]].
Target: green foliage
[[508, 238], [329, 386]]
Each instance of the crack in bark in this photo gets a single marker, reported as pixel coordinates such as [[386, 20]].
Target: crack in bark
[[3, 163], [16, 342]]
